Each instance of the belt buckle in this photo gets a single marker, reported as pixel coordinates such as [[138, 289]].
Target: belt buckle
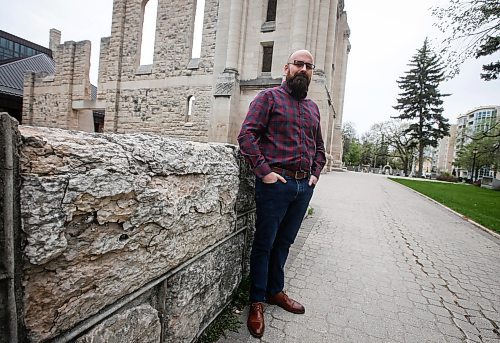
[[297, 175]]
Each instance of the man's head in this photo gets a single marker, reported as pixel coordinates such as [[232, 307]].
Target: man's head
[[298, 71]]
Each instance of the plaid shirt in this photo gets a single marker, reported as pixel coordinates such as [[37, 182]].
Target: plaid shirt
[[281, 131]]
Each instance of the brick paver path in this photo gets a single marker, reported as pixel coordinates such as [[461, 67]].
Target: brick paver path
[[379, 263]]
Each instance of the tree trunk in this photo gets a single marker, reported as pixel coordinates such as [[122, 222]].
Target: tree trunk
[[420, 158], [405, 165]]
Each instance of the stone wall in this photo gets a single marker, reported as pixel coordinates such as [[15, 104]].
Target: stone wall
[[162, 89], [342, 48], [131, 235], [164, 110], [48, 99], [154, 98]]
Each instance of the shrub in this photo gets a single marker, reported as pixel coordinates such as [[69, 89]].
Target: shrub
[[446, 177]]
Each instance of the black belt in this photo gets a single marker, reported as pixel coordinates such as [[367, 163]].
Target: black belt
[[299, 175]]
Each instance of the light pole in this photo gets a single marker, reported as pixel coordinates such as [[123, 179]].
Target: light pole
[[474, 153]]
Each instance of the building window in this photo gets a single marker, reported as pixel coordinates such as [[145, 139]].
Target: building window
[[150, 10], [189, 108], [267, 57], [271, 10], [198, 29]]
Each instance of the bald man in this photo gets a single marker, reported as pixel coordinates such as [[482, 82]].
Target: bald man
[[281, 139]]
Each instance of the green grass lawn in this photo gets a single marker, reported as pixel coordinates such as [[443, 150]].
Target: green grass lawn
[[479, 204]]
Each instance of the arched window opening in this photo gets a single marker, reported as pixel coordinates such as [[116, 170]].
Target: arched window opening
[[189, 110], [198, 29], [148, 32]]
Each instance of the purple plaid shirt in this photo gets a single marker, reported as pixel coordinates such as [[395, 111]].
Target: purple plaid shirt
[[281, 131]]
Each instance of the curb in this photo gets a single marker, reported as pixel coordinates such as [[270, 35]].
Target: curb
[[467, 219]]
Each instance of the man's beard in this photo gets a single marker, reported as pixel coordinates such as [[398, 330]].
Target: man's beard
[[298, 84]]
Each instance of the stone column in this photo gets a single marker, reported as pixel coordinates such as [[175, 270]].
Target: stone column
[[233, 46], [299, 24], [28, 98], [313, 24], [113, 65], [321, 40], [54, 39], [227, 86], [330, 42], [342, 51]]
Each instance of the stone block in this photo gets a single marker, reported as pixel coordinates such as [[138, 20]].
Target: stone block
[[197, 293], [138, 324], [105, 214], [246, 194]]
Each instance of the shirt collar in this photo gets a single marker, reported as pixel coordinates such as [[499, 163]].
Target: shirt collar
[[285, 87]]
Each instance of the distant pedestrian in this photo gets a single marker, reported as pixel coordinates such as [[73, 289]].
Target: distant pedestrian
[[281, 139]]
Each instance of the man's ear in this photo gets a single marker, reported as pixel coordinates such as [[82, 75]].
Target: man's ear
[[286, 69]]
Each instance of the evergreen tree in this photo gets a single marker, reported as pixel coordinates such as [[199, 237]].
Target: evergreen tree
[[421, 102]]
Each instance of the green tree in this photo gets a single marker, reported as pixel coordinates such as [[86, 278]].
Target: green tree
[[420, 101], [487, 145], [353, 155], [473, 30], [376, 135], [367, 150], [348, 135], [401, 146]]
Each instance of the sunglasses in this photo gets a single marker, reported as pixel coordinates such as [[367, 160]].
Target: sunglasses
[[301, 64]]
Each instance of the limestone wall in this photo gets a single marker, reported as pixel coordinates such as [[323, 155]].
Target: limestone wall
[[164, 111], [162, 89], [48, 99], [342, 49], [131, 235]]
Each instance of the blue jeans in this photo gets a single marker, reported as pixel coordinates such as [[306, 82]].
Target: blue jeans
[[280, 210]]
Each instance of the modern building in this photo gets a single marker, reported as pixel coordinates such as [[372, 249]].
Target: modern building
[[17, 56], [14, 48], [200, 81], [445, 152], [30, 58], [478, 120]]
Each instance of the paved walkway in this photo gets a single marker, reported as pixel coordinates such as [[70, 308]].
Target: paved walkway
[[379, 263]]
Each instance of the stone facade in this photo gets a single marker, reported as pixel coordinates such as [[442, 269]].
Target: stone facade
[[159, 91], [49, 100], [319, 26], [446, 151], [223, 81], [198, 292], [138, 324], [120, 226]]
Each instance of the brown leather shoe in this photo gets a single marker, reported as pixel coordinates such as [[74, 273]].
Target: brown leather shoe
[[255, 320], [283, 301]]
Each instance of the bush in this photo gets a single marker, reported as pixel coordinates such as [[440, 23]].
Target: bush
[[446, 177]]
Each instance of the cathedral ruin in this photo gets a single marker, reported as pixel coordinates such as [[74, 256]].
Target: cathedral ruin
[[244, 45]]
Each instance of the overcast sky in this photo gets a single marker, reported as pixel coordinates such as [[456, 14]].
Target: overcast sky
[[384, 37]]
